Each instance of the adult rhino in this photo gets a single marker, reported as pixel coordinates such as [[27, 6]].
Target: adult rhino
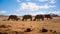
[[38, 17], [25, 17], [13, 17], [48, 16]]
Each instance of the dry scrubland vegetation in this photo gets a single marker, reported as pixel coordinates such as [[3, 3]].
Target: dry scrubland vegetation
[[18, 27]]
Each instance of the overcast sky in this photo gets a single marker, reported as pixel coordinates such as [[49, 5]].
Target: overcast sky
[[33, 7]]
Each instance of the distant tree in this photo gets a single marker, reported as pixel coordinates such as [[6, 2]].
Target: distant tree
[[54, 15]]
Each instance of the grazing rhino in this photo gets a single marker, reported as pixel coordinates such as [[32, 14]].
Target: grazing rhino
[[25, 17], [38, 17], [13, 17], [48, 16]]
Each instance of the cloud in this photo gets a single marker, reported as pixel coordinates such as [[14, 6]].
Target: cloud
[[29, 6], [52, 6], [55, 12], [42, 12], [33, 6], [28, 0], [18, 0], [37, 13], [44, 6], [52, 1], [15, 14], [2, 12], [48, 1], [42, 0]]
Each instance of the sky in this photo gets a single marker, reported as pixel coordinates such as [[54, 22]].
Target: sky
[[32, 7]]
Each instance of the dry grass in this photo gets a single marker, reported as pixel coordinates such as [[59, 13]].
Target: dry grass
[[18, 27]]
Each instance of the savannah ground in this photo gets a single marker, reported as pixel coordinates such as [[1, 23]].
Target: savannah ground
[[36, 26]]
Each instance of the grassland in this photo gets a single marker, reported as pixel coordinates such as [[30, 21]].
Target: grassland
[[36, 26]]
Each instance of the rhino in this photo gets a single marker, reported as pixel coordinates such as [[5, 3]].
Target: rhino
[[13, 17], [48, 16], [25, 17], [38, 17]]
